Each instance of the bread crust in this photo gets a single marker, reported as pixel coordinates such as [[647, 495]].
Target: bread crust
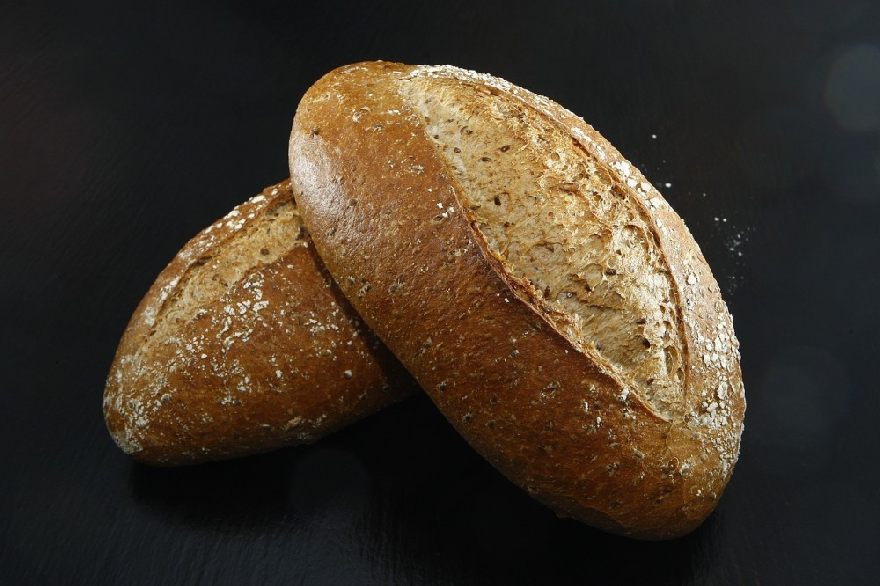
[[274, 357], [386, 216]]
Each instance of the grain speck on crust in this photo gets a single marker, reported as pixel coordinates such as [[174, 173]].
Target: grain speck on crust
[[192, 379], [578, 338]]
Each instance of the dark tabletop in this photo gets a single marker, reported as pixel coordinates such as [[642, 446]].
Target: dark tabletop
[[127, 127]]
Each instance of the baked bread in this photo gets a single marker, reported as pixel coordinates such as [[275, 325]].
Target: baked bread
[[244, 344], [544, 294]]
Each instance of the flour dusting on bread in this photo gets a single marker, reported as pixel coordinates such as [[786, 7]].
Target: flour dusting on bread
[[243, 344], [545, 295], [608, 259]]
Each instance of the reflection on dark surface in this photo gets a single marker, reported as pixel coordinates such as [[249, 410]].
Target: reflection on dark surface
[[226, 495]]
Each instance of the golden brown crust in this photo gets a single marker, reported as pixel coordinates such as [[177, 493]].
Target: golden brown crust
[[385, 213], [235, 351]]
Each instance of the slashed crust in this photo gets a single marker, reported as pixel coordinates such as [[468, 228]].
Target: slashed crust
[[244, 344], [387, 217]]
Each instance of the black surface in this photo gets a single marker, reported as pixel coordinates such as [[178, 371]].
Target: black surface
[[127, 127]]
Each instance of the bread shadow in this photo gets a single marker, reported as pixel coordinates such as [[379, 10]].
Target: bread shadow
[[441, 514], [416, 504], [246, 493], [287, 488]]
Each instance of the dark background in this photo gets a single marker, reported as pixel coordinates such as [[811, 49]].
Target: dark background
[[127, 127]]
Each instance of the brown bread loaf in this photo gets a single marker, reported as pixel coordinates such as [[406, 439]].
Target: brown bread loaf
[[244, 344], [544, 294]]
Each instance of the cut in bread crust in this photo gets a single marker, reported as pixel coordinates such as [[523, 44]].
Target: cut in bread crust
[[543, 293], [244, 344]]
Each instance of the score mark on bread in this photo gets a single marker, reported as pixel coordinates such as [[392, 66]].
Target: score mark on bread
[[578, 338], [244, 344]]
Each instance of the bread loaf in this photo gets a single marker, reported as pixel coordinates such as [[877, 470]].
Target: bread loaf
[[545, 295], [244, 344]]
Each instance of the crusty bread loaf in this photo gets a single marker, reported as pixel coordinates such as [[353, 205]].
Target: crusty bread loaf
[[244, 344], [543, 293]]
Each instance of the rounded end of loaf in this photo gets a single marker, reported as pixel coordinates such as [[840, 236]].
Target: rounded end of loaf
[[243, 345]]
